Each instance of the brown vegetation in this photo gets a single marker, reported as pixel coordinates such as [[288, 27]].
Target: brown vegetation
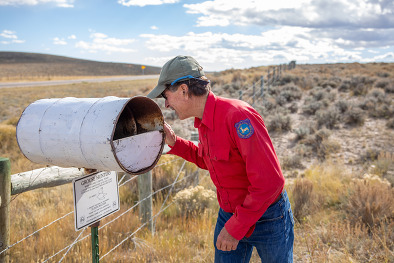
[[332, 128]]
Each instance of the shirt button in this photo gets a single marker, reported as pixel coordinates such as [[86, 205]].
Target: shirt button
[[215, 158]]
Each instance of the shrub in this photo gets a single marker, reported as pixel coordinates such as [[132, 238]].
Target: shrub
[[289, 79], [381, 111], [238, 77], [361, 80], [378, 94], [320, 145], [194, 201], [318, 93], [302, 194], [330, 181], [368, 103], [293, 108], [389, 89], [360, 90], [290, 162], [279, 123], [328, 147], [371, 154], [305, 129], [342, 106], [329, 118], [381, 165], [270, 104], [370, 202], [377, 104], [382, 84], [344, 86], [329, 84], [354, 116], [390, 123], [383, 74], [311, 106], [281, 100], [291, 93]]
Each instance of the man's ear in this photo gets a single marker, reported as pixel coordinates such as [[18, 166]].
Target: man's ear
[[185, 89]]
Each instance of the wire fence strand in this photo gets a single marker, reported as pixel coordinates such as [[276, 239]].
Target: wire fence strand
[[138, 229], [35, 232], [71, 246], [246, 92]]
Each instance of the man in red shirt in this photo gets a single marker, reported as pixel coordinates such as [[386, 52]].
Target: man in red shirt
[[234, 146]]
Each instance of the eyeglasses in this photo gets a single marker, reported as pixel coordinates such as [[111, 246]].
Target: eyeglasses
[[163, 94], [168, 86], [175, 81]]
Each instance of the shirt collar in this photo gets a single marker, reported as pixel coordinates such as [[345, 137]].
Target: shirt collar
[[207, 118]]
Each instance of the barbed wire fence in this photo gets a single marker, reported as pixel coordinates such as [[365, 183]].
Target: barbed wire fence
[[253, 93]]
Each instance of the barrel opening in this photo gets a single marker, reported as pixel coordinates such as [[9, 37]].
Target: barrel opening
[[140, 115]]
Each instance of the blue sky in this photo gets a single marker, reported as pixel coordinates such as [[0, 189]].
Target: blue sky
[[220, 34]]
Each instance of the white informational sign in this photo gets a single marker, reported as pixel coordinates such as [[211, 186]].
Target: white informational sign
[[95, 196]]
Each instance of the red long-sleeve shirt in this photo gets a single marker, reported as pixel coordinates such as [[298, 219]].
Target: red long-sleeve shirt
[[235, 147]]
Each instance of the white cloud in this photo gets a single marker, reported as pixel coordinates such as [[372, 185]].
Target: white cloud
[[59, 41], [101, 42], [142, 3], [11, 37], [59, 3], [72, 37], [8, 34], [345, 24], [154, 28], [304, 13], [275, 46], [385, 57]]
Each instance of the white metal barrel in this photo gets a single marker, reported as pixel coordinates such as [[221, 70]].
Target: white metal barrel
[[107, 134]]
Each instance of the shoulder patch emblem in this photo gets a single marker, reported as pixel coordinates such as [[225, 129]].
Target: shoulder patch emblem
[[244, 129]]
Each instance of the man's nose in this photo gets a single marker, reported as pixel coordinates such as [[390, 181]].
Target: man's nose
[[167, 104]]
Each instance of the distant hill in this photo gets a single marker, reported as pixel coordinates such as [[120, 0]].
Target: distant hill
[[33, 65]]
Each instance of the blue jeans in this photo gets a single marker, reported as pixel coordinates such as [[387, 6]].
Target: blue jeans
[[273, 236]]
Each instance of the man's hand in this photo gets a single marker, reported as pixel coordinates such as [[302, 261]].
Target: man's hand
[[170, 136], [225, 241]]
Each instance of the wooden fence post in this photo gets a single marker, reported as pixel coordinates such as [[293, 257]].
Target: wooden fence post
[[262, 87], [254, 93], [5, 195], [145, 208], [273, 77]]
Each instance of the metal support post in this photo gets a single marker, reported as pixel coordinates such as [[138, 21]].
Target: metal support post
[[95, 242], [5, 197], [240, 94]]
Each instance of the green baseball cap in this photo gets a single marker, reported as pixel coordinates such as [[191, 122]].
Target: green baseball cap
[[178, 68]]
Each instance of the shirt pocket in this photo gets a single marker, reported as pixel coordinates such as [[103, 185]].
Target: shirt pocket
[[220, 153]]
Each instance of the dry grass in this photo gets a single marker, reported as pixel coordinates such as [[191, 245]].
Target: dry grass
[[338, 219], [335, 217], [326, 232]]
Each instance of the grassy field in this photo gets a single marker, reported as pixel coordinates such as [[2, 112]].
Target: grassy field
[[21, 66], [332, 127]]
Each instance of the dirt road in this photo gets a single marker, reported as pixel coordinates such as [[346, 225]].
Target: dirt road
[[65, 82]]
